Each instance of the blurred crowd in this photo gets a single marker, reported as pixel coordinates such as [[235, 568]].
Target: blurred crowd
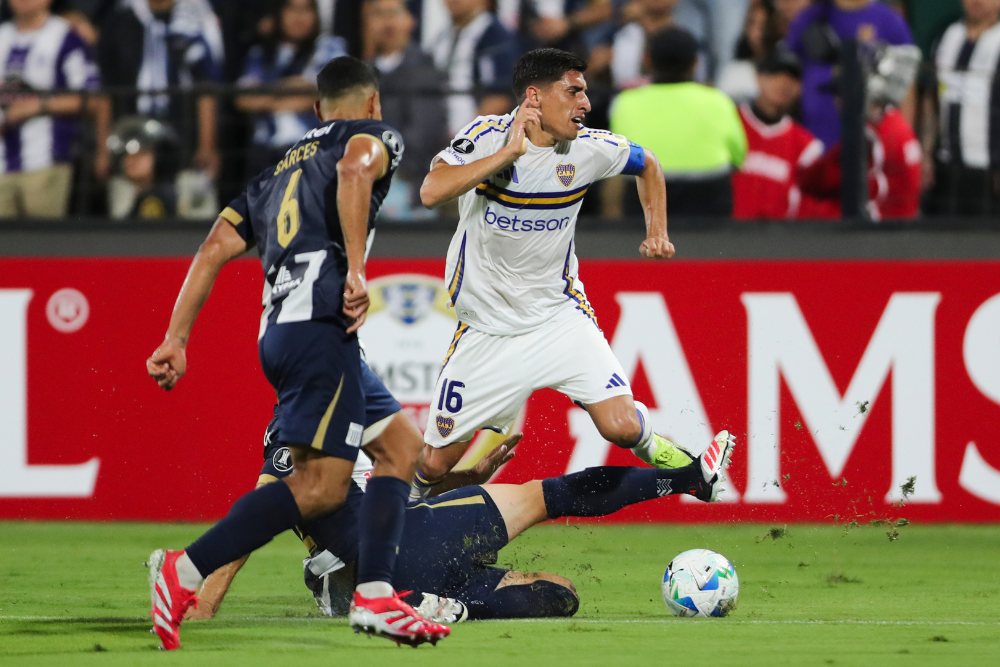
[[163, 108]]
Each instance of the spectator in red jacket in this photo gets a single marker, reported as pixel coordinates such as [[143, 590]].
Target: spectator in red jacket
[[894, 154], [778, 147], [901, 166]]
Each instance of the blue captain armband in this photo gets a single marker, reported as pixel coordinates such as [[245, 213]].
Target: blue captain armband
[[636, 160]]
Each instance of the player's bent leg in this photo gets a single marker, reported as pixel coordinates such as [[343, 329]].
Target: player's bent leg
[[521, 595], [396, 449], [521, 505], [253, 521], [617, 421], [376, 609], [319, 483]]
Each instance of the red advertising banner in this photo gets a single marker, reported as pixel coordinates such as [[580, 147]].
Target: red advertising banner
[[841, 380]]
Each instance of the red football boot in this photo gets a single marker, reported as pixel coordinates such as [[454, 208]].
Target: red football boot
[[168, 599], [393, 619]]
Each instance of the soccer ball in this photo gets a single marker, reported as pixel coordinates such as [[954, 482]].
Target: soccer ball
[[700, 582]]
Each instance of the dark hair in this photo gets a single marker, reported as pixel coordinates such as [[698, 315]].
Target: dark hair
[[542, 67], [344, 74], [673, 53], [781, 60], [303, 51]]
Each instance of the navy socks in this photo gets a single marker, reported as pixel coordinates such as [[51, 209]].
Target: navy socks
[[538, 599], [252, 522], [606, 489], [380, 528]]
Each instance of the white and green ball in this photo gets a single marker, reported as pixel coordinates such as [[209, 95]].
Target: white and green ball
[[700, 582]]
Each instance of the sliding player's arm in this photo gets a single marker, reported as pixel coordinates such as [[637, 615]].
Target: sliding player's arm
[[483, 471], [213, 590], [653, 197], [365, 161], [446, 182], [168, 363]]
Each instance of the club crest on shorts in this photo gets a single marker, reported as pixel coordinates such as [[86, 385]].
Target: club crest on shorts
[[445, 425], [566, 174]]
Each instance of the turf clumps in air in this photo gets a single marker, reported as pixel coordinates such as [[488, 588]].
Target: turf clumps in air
[[775, 533]]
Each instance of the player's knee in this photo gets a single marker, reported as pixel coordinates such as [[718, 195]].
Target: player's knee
[[622, 429], [558, 596], [317, 490]]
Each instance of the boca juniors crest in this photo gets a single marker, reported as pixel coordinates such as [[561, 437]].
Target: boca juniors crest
[[566, 174]]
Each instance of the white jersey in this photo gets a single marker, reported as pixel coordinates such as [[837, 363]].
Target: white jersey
[[511, 264]]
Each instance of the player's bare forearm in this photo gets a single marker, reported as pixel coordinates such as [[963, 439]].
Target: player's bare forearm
[[446, 182], [168, 362], [653, 197], [483, 471], [365, 161], [214, 590], [223, 244]]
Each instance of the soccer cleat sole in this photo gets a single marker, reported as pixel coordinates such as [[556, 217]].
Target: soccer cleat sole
[[413, 641]]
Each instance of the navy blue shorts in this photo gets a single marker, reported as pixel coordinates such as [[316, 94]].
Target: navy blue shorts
[[315, 369], [379, 404], [450, 543]]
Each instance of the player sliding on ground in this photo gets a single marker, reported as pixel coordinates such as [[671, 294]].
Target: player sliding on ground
[[451, 541], [310, 217], [524, 319]]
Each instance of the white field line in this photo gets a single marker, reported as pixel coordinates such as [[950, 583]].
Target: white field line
[[553, 621]]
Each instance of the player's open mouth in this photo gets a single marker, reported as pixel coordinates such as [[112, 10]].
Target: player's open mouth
[[578, 121]]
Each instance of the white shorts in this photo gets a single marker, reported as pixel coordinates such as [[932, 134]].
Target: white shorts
[[485, 379]]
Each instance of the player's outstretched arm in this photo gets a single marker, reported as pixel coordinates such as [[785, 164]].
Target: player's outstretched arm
[[483, 471], [446, 182], [653, 197], [365, 161], [168, 362]]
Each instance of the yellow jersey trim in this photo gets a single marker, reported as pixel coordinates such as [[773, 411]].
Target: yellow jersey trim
[[231, 216], [497, 195], [459, 332], [324, 423], [471, 500], [381, 144], [266, 479]]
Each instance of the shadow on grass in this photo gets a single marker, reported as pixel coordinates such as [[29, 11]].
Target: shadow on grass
[[71, 626]]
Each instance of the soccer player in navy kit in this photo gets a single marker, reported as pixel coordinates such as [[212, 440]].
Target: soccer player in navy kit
[[311, 217]]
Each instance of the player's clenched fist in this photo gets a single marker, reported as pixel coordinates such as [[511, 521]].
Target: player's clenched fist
[[167, 364], [656, 248], [356, 299]]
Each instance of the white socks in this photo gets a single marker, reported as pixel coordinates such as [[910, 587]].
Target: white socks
[[374, 589], [645, 449], [188, 575]]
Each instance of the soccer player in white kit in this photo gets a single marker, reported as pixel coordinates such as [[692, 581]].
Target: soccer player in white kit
[[524, 319]]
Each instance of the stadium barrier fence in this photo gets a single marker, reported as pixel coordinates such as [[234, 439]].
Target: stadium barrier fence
[[842, 378]]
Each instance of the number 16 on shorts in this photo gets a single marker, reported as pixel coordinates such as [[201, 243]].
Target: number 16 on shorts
[[449, 398]]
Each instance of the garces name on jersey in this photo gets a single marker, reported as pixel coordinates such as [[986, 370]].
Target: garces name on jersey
[[290, 213]]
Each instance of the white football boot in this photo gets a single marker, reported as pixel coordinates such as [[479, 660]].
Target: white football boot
[[440, 609]]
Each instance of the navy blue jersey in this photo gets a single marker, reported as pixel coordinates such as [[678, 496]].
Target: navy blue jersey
[[290, 212]]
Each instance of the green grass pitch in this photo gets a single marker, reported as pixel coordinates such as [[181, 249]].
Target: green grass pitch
[[75, 594]]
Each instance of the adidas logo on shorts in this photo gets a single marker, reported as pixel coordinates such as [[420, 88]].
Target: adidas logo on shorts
[[616, 382]]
